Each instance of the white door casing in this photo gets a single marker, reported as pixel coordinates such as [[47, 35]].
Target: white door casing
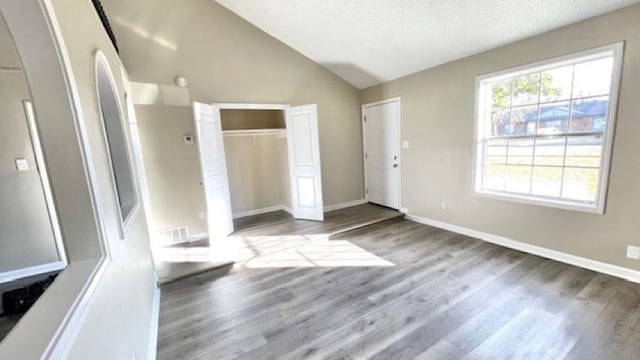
[[381, 138], [304, 162], [214, 170]]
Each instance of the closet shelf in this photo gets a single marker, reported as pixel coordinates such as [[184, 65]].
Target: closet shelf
[[255, 132]]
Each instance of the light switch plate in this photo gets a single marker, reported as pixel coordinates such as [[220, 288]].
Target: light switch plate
[[22, 165], [633, 252], [188, 139], [405, 144]]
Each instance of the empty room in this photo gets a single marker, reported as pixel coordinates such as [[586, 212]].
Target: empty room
[[252, 179]]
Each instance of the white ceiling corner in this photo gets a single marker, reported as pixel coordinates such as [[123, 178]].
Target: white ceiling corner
[[367, 42]]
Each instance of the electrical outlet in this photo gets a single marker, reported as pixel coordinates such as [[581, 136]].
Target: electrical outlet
[[202, 215], [22, 165], [633, 252], [405, 144], [443, 205]]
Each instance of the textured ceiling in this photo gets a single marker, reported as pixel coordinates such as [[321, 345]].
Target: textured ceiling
[[367, 42]]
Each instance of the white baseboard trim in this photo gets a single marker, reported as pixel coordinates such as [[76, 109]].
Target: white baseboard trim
[[345, 205], [287, 209], [605, 268], [197, 237], [155, 315], [31, 271], [258, 211]]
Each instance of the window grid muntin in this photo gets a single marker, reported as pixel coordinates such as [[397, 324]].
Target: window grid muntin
[[485, 87], [535, 139]]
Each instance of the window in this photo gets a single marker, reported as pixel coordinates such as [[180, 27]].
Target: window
[[544, 131], [116, 139]]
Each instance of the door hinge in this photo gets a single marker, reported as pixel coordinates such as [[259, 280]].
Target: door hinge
[[367, 191], [365, 119], [366, 155]]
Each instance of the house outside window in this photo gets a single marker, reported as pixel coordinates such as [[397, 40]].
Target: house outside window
[[544, 131]]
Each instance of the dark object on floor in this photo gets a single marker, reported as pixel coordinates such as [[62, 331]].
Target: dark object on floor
[[18, 301]]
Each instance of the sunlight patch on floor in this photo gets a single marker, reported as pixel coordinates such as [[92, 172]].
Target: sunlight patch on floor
[[301, 251], [185, 254], [315, 250]]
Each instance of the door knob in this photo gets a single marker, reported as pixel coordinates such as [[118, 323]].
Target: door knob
[[395, 165]]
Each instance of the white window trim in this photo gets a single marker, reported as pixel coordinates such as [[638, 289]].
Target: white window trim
[[100, 60], [617, 50]]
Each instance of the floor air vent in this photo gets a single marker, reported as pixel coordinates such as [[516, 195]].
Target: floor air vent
[[172, 236]]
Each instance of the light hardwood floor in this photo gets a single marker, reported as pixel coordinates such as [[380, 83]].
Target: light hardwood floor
[[434, 295]]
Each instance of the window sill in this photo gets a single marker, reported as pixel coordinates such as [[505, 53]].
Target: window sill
[[596, 209], [48, 325]]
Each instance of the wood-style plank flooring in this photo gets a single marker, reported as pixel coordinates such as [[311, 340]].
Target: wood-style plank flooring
[[433, 294], [277, 240], [179, 261], [258, 240]]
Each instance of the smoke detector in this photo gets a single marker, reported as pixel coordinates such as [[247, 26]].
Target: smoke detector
[[181, 81]]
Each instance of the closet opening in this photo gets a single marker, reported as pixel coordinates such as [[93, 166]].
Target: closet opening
[[255, 143], [257, 158], [253, 159]]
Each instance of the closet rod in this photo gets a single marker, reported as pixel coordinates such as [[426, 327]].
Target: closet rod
[[255, 132]]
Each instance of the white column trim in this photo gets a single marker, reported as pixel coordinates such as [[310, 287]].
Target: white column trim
[[155, 316]]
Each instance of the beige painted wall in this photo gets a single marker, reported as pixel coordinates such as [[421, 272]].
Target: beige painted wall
[[258, 173], [226, 59], [438, 117], [27, 236], [174, 188]]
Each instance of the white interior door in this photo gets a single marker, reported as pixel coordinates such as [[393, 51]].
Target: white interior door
[[382, 153], [214, 170], [304, 162]]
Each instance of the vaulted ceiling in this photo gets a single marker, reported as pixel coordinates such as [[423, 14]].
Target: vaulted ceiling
[[367, 42]]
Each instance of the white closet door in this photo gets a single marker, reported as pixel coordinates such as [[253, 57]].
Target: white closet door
[[304, 162], [214, 170]]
